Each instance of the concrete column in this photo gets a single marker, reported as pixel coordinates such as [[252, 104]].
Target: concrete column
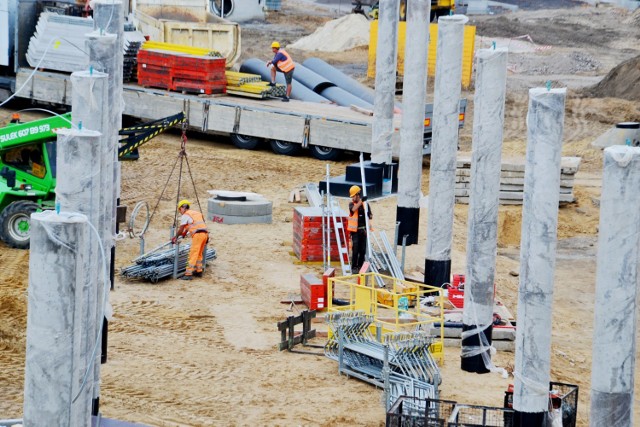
[[616, 303], [56, 362], [386, 65], [545, 123], [103, 54], [482, 237], [412, 131], [444, 146], [78, 190]]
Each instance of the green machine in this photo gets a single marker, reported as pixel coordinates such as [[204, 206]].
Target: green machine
[[28, 168]]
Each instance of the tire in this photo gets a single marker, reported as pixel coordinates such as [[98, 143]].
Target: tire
[[285, 148], [244, 141], [15, 223], [325, 153]]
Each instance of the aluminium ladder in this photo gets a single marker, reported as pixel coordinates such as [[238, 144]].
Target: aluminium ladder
[[341, 236]]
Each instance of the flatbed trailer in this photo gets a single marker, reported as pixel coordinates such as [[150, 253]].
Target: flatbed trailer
[[319, 127]]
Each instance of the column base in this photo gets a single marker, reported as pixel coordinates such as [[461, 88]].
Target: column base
[[409, 219], [475, 363], [529, 419], [437, 273]]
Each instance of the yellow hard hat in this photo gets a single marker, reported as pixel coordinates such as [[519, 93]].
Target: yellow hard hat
[[354, 190], [181, 203], [276, 45]]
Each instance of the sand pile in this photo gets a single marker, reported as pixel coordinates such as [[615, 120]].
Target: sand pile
[[338, 35], [621, 82]]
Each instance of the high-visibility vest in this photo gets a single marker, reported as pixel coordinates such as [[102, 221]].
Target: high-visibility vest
[[287, 64], [352, 222], [198, 222]]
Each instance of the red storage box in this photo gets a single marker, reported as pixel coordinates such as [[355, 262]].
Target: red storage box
[[307, 234], [313, 291]]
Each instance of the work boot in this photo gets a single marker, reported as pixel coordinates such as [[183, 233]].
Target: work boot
[[272, 84], [186, 278], [285, 99], [198, 274]]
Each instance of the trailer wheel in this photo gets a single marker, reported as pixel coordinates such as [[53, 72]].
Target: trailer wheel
[[325, 153], [15, 223], [244, 141], [286, 148]]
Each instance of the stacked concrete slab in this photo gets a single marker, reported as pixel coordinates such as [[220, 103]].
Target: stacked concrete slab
[[512, 180]]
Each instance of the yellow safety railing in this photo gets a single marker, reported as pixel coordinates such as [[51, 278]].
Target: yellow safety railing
[[395, 306]]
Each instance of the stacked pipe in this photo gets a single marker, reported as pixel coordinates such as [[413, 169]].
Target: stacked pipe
[[159, 265], [252, 86]]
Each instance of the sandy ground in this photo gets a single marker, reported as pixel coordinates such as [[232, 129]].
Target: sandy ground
[[203, 353]]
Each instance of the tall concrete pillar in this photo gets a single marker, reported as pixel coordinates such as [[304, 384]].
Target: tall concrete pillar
[[56, 362], [444, 146], [385, 89], [616, 303], [545, 123], [412, 131], [482, 237], [105, 55], [78, 190]]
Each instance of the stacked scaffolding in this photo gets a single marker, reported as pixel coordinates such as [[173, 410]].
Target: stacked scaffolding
[[159, 265], [252, 86], [62, 39], [400, 363], [133, 41]]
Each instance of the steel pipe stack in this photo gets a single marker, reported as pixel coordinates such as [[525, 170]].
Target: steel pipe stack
[[545, 124], [444, 146], [412, 130], [616, 307], [56, 361], [482, 237]]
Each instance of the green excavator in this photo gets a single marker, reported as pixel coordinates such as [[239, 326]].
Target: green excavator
[[28, 168]]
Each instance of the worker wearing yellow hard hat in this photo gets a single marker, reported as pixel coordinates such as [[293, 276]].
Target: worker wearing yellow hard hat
[[192, 223], [357, 226], [281, 62]]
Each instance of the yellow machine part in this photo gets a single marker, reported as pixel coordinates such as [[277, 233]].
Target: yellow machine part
[[468, 50]]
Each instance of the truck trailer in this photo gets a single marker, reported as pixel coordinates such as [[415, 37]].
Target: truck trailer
[[326, 130]]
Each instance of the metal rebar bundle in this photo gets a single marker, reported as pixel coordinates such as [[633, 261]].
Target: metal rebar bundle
[[159, 265], [401, 364]]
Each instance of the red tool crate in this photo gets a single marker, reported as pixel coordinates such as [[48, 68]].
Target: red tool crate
[[313, 291], [307, 234], [180, 72]]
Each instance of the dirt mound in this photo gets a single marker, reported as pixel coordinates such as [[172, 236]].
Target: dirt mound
[[338, 35], [621, 82]]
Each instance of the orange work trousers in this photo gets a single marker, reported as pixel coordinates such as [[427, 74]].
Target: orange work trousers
[[198, 242]]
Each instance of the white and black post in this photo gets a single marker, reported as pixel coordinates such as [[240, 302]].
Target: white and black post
[[412, 130], [545, 124], [616, 302], [444, 146], [482, 237]]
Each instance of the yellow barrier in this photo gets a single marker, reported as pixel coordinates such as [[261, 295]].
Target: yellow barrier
[[468, 49], [363, 292], [179, 48]]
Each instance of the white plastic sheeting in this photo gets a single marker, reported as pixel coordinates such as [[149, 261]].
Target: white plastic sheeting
[[545, 124], [56, 361], [482, 236], [615, 324]]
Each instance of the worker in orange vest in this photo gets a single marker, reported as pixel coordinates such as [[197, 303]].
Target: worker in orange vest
[[281, 62], [357, 226], [192, 223]]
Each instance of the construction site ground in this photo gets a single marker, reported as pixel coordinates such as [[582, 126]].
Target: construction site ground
[[203, 353]]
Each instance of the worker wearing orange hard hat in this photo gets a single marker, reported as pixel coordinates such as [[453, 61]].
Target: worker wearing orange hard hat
[[192, 223], [281, 62], [357, 226]]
